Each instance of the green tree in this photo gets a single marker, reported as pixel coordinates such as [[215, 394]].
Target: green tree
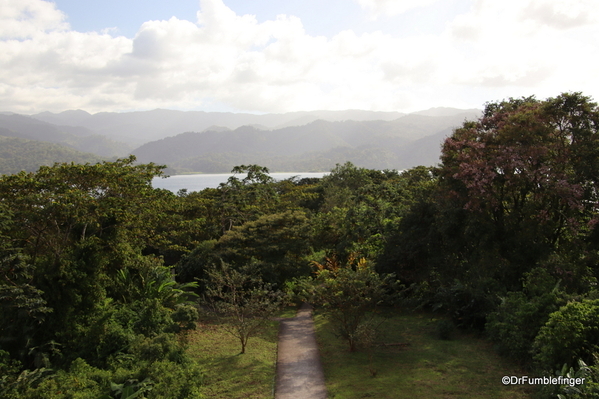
[[246, 199], [241, 300], [520, 184], [348, 294], [75, 234], [277, 243]]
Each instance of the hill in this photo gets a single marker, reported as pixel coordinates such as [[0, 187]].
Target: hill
[[407, 141], [137, 128], [17, 154], [217, 141], [76, 137]]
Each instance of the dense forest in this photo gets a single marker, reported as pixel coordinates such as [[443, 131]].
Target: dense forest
[[17, 154], [102, 274]]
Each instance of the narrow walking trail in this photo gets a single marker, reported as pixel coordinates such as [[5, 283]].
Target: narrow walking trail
[[299, 371]]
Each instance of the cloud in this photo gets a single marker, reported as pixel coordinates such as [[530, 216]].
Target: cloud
[[228, 61], [561, 14], [29, 18], [392, 7]]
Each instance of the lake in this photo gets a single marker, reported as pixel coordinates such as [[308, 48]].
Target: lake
[[201, 181]]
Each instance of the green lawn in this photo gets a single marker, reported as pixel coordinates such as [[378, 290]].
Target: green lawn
[[426, 367], [228, 374]]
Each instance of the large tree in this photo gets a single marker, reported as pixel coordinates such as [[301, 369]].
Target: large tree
[[525, 178], [74, 238]]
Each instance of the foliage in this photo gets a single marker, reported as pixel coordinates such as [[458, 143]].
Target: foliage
[[359, 210], [241, 299], [19, 154], [246, 199], [467, 304], [500, 235], [347, 293], [523, 179], [571, 333], [590, 387], [76, 245], [521, 314], [277, 243], [158, 380]]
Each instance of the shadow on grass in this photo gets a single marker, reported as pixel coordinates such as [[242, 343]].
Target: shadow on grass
[[238, 377], [228, 373], [414, 363]]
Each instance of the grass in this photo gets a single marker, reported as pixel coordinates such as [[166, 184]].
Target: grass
[[229, 374], [426, 367]]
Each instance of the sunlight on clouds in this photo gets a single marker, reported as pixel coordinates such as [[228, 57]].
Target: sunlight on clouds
[[496, 49]]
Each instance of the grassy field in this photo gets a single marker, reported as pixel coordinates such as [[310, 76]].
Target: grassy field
[[423, 366], [228, 374]]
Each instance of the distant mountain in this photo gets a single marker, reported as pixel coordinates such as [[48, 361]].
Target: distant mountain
[[137, 128], [407, 141], [76, 137], [444, 111], [17, 154], [71, 118], [217, 141]]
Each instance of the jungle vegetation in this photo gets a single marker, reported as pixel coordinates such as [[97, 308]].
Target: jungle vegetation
[[101, 274]]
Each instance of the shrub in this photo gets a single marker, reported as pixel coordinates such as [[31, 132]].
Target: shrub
[[163, 346], [520, 316], [571, 333], [467, 305]]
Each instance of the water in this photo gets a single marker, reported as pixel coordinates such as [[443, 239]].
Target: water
[[202, 181]]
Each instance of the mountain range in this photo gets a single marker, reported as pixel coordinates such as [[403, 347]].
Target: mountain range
[[214, 142]]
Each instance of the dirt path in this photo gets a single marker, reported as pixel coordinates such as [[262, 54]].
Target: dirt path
[[299, 371]]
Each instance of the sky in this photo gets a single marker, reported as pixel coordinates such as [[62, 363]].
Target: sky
[[274, 56]]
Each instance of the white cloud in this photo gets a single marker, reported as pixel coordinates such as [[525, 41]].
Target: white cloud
[[495, 50], [560, 14], [392, 7], [513, 43], [28, 18]]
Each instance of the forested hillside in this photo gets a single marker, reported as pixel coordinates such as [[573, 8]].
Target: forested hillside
[[137, 128], [293, 142], [78, 138], [102, 274], [318, 146], [21, 154]]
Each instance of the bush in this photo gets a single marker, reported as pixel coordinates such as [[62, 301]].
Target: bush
[[162, 379], [163, 346], [571, 333], [467, 305], [185, 317], [520, 316]]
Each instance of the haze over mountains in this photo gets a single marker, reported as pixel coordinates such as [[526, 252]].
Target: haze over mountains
[[214, 142]]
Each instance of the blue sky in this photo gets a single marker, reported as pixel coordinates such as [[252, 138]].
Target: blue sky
[[288, 55], [319, 17]]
